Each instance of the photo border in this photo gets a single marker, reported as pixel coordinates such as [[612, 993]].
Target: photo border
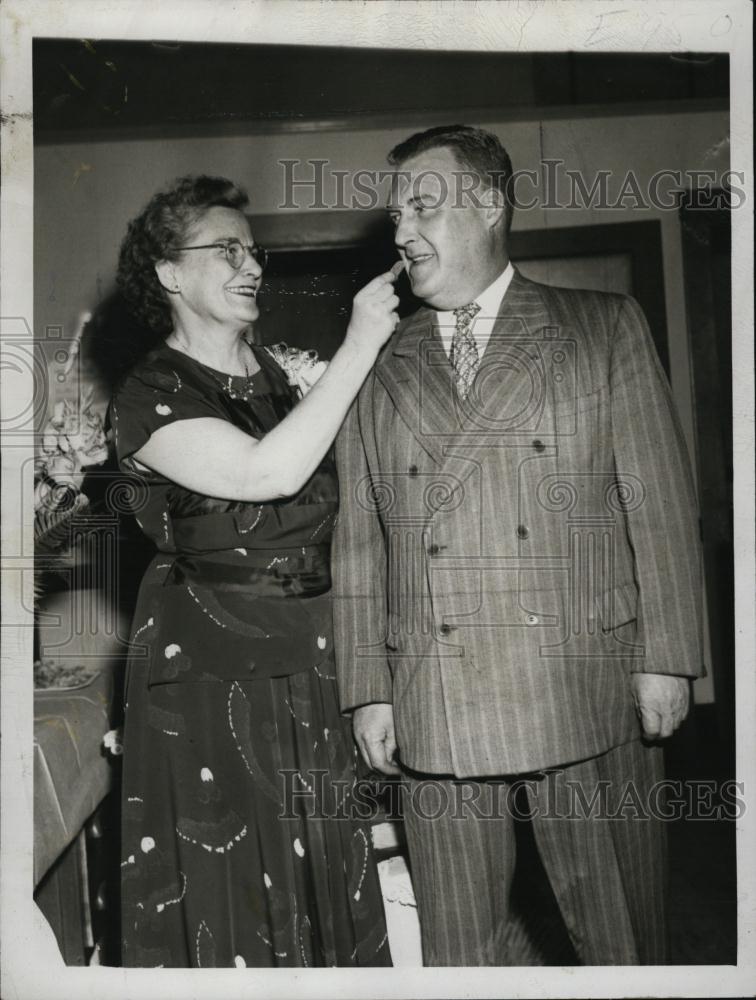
[[31, 967]]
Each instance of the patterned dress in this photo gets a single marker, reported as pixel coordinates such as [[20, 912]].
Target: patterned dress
[[240, 846]]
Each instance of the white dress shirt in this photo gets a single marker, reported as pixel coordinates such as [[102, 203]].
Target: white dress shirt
[[483, 324]]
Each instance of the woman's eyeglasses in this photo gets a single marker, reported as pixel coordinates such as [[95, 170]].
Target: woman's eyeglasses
[[235, 252]]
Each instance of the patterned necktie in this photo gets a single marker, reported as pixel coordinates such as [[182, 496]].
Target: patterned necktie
[[464, 351]]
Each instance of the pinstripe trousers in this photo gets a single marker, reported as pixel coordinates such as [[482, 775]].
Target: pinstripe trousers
[[604, 854]]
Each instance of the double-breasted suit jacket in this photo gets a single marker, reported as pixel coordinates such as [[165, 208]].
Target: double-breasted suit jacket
[[502, 564]]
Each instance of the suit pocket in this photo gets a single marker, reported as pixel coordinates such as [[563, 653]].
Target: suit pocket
[[581, 403], [570, 611], [618, 606]]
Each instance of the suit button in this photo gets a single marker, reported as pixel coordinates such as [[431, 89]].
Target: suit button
[[522, 531], [412, 471], [532, 619], [539, 445], [434, 550], [446, 629]]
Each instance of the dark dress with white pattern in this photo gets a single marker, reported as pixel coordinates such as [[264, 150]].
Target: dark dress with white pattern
[[238, 844]]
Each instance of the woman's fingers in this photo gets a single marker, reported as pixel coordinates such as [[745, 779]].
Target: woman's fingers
[[381, 281], [374, 315]]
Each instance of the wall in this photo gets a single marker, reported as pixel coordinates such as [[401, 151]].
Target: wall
[[85, 193]]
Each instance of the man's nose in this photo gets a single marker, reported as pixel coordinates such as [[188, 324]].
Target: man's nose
[[405, 232]]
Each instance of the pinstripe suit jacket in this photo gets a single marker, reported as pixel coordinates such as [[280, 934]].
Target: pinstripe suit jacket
[[502, 565]]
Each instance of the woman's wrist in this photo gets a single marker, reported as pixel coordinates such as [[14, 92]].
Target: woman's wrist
[[358, 351]]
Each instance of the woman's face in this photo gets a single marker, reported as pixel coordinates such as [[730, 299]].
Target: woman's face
[[209, 289]]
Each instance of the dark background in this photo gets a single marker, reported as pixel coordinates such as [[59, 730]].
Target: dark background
[[119, 88]]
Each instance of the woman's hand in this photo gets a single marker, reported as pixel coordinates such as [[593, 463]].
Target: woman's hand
[[374, 315]]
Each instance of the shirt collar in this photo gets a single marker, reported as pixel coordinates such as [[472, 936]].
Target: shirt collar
[[489, 299]]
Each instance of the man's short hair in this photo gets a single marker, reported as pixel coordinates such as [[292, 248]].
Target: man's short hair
[[475, 149]]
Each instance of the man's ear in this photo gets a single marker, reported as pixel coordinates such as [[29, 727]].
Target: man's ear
[[494, 207], [166, 273]]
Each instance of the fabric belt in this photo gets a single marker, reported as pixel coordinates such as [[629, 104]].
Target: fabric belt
[[299, 572]]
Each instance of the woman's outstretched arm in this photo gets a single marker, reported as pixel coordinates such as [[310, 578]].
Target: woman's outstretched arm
[[213, 457]]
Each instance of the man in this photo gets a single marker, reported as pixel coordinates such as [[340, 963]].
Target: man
[[517, 575]]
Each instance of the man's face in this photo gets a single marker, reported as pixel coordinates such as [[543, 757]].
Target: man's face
[[444, 234]]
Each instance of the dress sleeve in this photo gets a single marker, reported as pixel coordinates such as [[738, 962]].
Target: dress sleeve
[[150, 398]]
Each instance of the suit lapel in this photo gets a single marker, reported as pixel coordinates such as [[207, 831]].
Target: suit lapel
[[523, 312], [509, 391], [415, 373], [508, 395]]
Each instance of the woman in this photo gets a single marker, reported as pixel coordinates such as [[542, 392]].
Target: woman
[[234, 748]]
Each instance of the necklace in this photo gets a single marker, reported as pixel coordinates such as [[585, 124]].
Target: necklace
[[227, 386]]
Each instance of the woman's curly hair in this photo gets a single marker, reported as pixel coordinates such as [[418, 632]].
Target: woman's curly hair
[[155, 234]]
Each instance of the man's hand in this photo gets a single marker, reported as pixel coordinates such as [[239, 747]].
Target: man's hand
[[373, 727], [661, 701]]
